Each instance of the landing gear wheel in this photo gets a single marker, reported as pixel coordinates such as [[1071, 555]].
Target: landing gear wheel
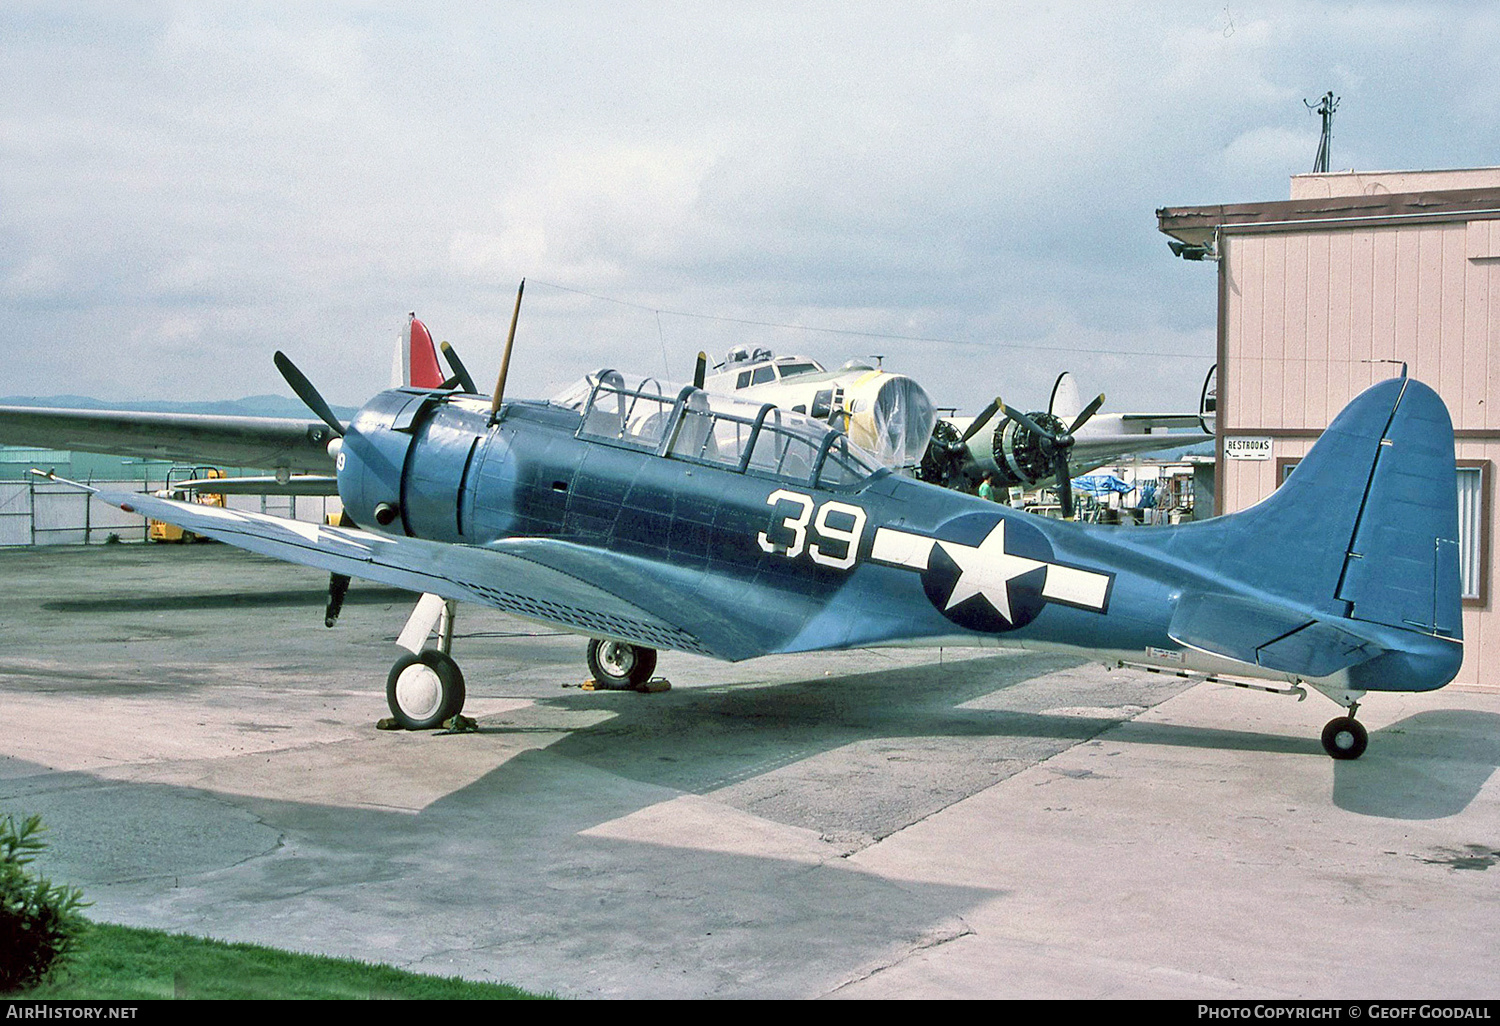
[[1345, 738], [618, 665], [425, 689]]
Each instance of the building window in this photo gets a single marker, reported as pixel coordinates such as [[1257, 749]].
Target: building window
[[1473, 534]]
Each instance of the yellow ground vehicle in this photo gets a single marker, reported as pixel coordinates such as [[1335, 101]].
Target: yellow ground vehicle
[[160, 531]]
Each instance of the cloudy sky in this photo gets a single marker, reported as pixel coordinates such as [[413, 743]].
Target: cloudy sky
[[967, 189]]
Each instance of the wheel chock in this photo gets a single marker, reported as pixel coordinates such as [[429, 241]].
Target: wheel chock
[[654, 686]]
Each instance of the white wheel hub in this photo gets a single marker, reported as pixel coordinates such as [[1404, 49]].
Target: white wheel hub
[[419, 691], [617, 659]]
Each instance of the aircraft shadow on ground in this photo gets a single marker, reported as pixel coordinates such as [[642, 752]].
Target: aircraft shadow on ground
[[1427, 766], [699, 740]]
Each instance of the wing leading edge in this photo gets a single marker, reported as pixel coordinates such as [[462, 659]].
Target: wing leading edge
[[274, 443]]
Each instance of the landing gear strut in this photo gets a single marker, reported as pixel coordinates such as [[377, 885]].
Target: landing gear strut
[[426, 688], [618, 665]]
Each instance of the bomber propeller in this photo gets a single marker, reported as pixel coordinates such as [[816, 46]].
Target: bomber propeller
[[1056, 446]]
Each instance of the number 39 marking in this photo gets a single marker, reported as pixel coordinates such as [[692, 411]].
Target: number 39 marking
[[849, 534]]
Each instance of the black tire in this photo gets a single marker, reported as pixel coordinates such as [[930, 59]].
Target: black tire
[[1345, 738], [424, 689], [618, 665]]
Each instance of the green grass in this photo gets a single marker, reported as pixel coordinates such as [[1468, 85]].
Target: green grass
[[123, 963]]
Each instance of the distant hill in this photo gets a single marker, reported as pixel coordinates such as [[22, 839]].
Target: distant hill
[[250, 406]]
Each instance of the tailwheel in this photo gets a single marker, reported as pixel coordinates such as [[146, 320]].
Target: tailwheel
[[1345, 738], [618, 665], [425, 689]]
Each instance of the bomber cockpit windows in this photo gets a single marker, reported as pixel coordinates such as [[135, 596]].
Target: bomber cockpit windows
[[790, 367]]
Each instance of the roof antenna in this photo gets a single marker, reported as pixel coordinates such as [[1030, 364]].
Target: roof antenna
[[1325, 108]]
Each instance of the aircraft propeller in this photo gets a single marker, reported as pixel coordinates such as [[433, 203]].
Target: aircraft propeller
[[981, 420], [948, 451], [338, 584], [1056, 447]]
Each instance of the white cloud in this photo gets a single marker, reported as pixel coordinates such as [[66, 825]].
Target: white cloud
[[228, 179]]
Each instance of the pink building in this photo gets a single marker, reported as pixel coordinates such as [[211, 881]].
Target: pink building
[[1324, 294]]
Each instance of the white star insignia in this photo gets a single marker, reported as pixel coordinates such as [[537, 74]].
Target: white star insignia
[[987, 570]]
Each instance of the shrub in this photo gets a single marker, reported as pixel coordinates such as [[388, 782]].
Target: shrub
[[39, 923]]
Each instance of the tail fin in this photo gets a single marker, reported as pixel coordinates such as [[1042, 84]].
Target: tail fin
[[416, 362], [1366, 527], [1065, 403], [1351, 562]]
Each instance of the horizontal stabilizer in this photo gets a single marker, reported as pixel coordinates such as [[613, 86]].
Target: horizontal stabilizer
[[1267, 635]]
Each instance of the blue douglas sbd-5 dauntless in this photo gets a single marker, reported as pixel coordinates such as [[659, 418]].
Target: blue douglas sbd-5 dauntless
[[648, 517]]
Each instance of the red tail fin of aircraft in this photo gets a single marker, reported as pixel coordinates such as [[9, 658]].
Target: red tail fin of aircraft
[[416, 357]]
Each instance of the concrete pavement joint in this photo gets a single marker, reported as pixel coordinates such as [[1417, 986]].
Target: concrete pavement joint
[[929, 942]]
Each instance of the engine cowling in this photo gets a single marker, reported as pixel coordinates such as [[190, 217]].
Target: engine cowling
[[1021, 457], [1009, 450]]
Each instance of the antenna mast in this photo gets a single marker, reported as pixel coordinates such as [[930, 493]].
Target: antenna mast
[[1325, 108]]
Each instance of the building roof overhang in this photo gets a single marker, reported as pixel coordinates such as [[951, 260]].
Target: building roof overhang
[[1197, 226]]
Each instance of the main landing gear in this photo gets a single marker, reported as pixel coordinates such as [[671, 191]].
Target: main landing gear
[[620, 666], [425, 688]]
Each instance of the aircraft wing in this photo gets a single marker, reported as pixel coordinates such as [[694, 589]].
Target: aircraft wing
[[1142, 422], [548, 581], [268, 442], [1093, 450]]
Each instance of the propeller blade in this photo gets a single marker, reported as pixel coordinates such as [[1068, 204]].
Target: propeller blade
[[459, 370], [1064, 484], [1029, 424], [700, 371], [980, 421], [306, 392], [338, 587], [1088, 411]]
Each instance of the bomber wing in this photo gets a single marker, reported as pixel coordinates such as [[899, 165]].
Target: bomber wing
[[273, 443], [1093, 448]]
